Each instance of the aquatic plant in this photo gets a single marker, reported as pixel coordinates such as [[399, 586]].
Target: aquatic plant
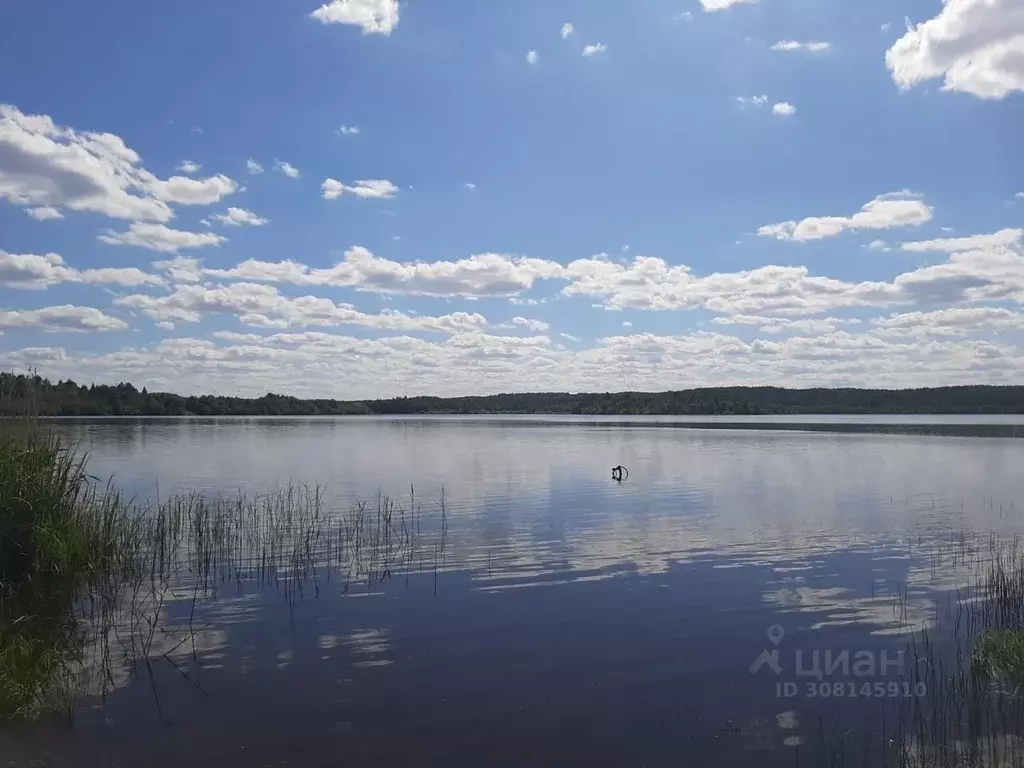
[[86, 578]]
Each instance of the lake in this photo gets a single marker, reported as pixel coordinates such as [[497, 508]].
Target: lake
[[553, 616]]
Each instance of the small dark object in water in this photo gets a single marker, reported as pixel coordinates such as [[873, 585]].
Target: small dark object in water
[[619, 473]]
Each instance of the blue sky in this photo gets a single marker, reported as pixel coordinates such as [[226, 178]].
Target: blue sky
[[661, 195]]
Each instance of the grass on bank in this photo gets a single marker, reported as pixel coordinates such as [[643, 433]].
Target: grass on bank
[[85, 578], [59, 535]]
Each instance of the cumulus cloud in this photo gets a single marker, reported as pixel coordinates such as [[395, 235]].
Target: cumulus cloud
[[794, 45], [784, 109], [979, 268], [313, 363], [287, 169], [181, 269], [349, 130], [65, 317], [884, 212], [975, 46], [188, 167], [376, 17], [237, 217], [253, 167], [537, 326], [1004, 238], [955, 321], [650, 283], [594, 48], [157, 237], [38, 272], [476, 276], [264, 306], [52, 167], [44, 213], [366, 188], [778, 325], [710, 6], [532, 57], [186, 191], [47, 165], [567, 29]]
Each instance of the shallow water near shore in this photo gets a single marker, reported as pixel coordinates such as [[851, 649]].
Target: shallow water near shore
[[568, 619]]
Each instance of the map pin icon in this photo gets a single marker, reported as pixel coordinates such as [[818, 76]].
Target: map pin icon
[[776, 633]]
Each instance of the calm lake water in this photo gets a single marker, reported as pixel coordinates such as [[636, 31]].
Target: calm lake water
[[569, 619]]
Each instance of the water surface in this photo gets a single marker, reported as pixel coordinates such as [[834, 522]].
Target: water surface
[[571, 620]]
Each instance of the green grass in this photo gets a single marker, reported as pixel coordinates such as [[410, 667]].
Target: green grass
[[999, 653], [85, 577], [59, 536]]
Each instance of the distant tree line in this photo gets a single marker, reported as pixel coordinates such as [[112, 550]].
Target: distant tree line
[[21, 394]]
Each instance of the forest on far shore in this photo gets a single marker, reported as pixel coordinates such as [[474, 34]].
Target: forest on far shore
[[21, 394]]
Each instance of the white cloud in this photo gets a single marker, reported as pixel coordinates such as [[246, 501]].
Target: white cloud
[[538, 326], [954, 321], [532, 57], [263, 306], [236, 217], [189, 167], [287, 169], [44, 213], [487, 274], [46, 165], [376, 17], [349, 130], [720, 5], [878, 245], [38, 272], [1019, 194], [315, 364], [752, 101], [469, 185], [366, 188], [794, 45], [186, 191], [650, 283], [1004, 238], [627, 324], [253, 167], [884, 212], [683, 16], [784, 109], [567, 29], [887, 26], [979, 268], [976, 46], [157, 237], [65, 317], [779, 325], [594, 48], [181, 269]]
